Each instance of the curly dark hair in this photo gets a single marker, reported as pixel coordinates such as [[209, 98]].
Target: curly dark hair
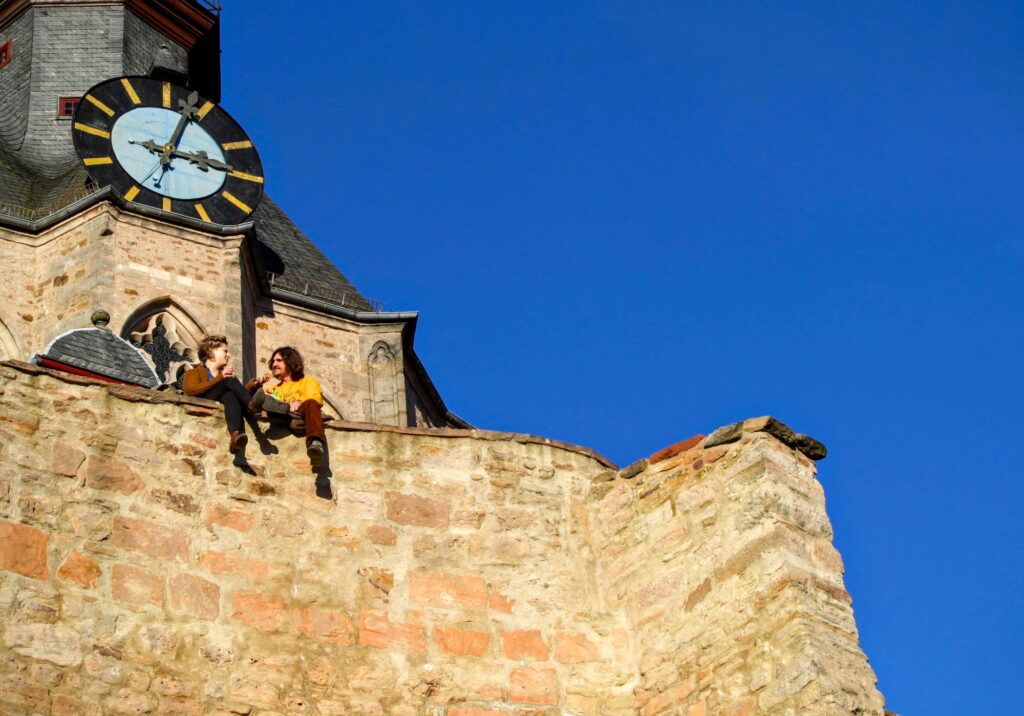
[[292, 358], [207, 345]]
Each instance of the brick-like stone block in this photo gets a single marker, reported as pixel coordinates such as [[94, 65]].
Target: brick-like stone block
[[673, 450], [195, 596], [65, 459], [225, 516], [57, 643], [416, 511], [474, 711], [80, 569], [533, 686], [672, 695], [526, 645], [263, 611], [136, 585], [23, 550], [379, 534], [574, 648], [19, 691], [333, 626], [149, 538], [448, 591], [111, 475], [462, 642], [223, 563], [377, 630]]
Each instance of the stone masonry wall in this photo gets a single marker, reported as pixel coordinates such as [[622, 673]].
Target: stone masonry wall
[[435, 572]]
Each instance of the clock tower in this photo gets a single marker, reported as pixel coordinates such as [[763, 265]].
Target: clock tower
[[126, 187]]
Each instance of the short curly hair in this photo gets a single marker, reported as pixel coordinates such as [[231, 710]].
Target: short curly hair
[[292, 358], [207, 345]]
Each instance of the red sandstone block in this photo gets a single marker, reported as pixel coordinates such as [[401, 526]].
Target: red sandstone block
[[416, 511], [23, 550], [528, 645], [462, 642], [202, 440], [65, 459], [697, 709], [80, 569], [228, 517], [149, 538], [473, 711], [375, 629], [136, 585], [111, 475], [673, 450], [263, 611], [381, 535], [328, 625], [533, 686], [221, 563], [672, 695], [195, 596], [500, 603], [440, 589], [697, 595], [743, 708], [574, 648]]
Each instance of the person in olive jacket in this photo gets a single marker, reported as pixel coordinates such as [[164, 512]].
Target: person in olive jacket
[[214, 378]]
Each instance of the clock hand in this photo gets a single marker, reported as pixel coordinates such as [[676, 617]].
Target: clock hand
[[187, 110], [202, 160]]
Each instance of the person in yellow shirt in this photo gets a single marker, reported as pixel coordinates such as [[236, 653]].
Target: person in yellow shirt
[[296, 395]]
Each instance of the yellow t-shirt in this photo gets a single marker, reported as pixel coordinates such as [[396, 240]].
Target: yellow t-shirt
[[306, 389]]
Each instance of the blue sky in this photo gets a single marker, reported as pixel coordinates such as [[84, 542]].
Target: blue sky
[[625, 223]]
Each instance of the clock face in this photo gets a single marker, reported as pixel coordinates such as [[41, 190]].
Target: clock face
[[165, 146]]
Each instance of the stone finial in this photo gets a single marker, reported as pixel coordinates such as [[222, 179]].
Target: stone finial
[[100, 319]]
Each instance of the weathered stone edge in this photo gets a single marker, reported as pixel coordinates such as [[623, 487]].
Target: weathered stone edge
[[202, 406], [805, 444]]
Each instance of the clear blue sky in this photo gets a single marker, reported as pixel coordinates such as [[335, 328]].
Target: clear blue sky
[[625, 223]]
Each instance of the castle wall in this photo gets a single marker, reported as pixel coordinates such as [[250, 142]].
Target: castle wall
[[427, 572]]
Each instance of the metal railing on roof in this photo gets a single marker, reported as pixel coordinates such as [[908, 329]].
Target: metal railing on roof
[[29, 214], [345, 299], [211, 5]]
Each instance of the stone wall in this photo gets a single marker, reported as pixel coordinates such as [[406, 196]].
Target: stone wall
[[449, 572]]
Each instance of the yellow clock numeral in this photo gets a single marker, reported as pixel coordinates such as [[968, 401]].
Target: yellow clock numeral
[[131, 91], [204, 110], [247, 177], [93, 161], [91, 130], [236, 201], [104, 108], [131, 193], [237, 145], [201, 210], [167, 95], [166, 204]]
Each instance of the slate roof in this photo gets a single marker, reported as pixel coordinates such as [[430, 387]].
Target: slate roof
[[27, 195], [100, 351]]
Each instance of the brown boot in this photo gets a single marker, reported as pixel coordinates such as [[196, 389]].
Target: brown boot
[[238, 441]]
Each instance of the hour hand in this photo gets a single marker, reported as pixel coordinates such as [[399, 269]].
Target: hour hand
[[202, 160]]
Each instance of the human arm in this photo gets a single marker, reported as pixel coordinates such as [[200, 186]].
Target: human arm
[[197, 381]]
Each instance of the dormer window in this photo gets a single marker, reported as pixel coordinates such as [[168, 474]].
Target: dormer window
[[66, 106], [5, 53]]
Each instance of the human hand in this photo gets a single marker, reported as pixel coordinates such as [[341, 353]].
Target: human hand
[[294, 405], [263, 379], [228, 371]]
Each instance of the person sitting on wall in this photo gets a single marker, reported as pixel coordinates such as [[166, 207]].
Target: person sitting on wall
[[214, 378], [296, 395]]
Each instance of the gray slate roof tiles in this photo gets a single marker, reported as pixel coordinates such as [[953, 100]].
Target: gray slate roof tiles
[[99, 351]]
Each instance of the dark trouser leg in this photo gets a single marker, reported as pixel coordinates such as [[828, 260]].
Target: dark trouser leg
[[314, 420], [233, 396], [262, 401]]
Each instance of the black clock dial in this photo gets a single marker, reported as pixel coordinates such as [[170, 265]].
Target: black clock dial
[[167, 147]]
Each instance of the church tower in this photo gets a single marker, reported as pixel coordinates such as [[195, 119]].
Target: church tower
[[151, 207]]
